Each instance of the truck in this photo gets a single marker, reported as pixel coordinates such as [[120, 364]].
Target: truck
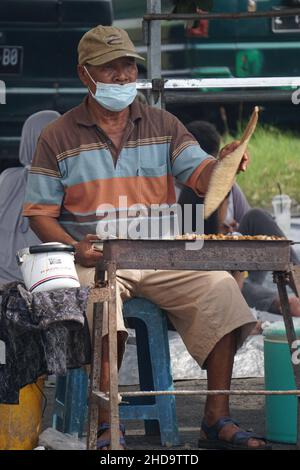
[[219, 48], [38, 56], [260, 47], [38, 59]]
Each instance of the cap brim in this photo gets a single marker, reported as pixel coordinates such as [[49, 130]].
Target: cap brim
[[109, 56]]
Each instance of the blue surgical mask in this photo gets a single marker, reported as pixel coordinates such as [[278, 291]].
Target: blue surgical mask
[[114, 97]]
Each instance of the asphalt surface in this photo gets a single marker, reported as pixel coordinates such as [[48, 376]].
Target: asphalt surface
[[249, 411]]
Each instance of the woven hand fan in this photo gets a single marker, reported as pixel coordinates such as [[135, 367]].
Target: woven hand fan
[[223, 176]]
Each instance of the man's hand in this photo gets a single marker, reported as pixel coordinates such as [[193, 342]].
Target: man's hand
[[85, 255], [230, 148], [229, 228]]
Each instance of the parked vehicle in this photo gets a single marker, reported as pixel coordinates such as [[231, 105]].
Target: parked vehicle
[[261, 47], [38, 41], [38, 58]]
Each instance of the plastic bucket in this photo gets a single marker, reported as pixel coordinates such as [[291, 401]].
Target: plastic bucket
[[281, 411], [20, 425], [48, 266]]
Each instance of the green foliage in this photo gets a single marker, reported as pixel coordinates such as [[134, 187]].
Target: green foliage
[[275, 158]]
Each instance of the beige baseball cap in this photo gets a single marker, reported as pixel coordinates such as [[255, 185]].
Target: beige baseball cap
[[103, 44]]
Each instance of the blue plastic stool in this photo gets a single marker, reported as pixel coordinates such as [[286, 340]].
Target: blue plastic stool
[[159, 413], [70, 406], [153, 353]]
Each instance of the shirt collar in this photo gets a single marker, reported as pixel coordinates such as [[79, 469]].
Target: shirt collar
[[84, 117]]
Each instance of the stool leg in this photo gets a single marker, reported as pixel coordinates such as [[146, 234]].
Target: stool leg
[[145, 373], [162, 378], [58, 417], [71, 402], [77, 385], [154, 371]]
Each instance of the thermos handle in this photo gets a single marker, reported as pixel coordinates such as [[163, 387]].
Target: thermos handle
[[44, 249], [20, 257]]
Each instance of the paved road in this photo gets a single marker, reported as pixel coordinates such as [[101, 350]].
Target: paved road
[[249, 411]]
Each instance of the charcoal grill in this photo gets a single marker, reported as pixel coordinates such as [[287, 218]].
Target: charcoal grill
[[223, 255]]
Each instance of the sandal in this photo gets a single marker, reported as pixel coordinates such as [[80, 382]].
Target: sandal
[[238, 441], [101, 443]]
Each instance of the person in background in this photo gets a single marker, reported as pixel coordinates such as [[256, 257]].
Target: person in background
[[236, 215], [15, 232]]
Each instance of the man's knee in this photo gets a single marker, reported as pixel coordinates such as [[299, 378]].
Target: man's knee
[[256, 215]]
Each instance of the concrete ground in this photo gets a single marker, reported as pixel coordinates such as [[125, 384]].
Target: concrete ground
[[248, 410]]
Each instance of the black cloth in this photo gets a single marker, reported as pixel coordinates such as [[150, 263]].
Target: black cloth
[[251, 222], [44, 333], [188, 196], [256, 294]]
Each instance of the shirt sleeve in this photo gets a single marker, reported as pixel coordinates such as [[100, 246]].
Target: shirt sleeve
[[190, 164], [44, 190], [240, 203]]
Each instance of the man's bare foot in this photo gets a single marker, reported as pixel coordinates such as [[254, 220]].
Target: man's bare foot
[[295, 306], [294, 303], [227, 433]]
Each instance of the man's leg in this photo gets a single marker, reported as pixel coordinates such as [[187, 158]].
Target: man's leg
[[213, 319], [260, 222], [219, 366]]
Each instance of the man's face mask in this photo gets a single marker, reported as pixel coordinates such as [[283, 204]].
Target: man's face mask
[[113, 97]]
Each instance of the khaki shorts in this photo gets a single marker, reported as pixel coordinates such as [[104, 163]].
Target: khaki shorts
[[203, 306]]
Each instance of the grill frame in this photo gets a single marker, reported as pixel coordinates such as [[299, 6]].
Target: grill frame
[[216, 255]]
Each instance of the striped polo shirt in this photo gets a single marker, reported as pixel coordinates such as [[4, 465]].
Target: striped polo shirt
[[77, 172]]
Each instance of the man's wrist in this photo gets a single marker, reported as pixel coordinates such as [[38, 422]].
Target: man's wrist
[[75, 246]]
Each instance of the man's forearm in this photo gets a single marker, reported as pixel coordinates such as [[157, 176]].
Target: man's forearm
[[203, 179], [48, 229]]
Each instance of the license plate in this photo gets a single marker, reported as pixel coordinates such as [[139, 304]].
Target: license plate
[[11, 60], [286, 24]]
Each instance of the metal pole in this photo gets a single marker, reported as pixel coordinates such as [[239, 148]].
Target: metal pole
[[223, 16], [192, 99], [281, 279], [210, 392], [264, 89], [153, 38], [228, 83]]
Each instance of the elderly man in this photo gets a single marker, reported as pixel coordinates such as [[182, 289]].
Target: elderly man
[[113, 147]]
